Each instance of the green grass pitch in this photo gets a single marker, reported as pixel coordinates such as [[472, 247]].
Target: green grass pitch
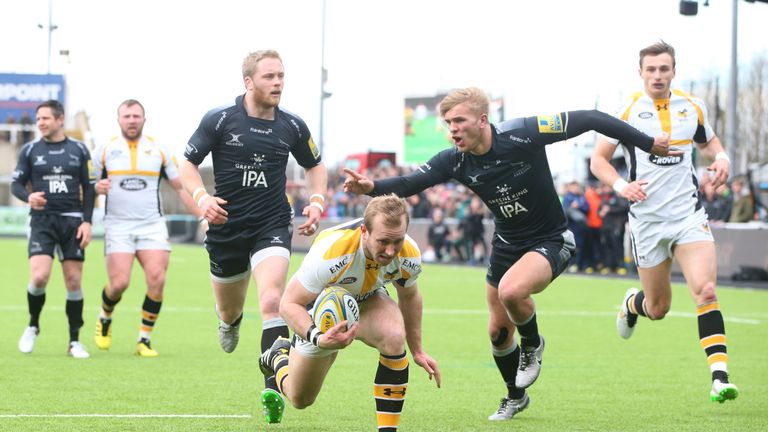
[[591, 379]]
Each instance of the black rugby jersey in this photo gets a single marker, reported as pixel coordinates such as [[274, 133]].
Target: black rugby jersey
[[59, 169], [250, 156], [513, 179]]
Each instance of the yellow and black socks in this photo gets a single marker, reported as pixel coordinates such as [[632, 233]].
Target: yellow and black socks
[[107, 305], [149, 312], [712, 339], [271, 330], [74, 309], [35, 302], [280, 366], [389, 390]]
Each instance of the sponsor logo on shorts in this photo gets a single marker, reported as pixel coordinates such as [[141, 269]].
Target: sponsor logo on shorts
[[348, 280], [276, 240], [645, 115], [216, 268], [133, 184]]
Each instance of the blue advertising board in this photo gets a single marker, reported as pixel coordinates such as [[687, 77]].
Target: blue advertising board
[[24, 92]]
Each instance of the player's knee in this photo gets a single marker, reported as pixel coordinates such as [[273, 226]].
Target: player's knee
[[656, 311], [117, 287], [72, 282], [707, 294], [39, 280], [302, 401], [269, 301], [511, 293], [499, 336]]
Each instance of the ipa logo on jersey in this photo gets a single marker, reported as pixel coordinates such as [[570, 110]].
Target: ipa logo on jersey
[[550, 123]]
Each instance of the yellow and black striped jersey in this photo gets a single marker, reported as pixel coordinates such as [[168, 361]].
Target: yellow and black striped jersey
[[336, 258], [672, 185]]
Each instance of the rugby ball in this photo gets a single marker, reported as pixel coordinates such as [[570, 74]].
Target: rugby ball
[[333, 306]]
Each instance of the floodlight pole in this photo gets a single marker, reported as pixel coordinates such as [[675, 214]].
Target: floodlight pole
[[731, 120], [323, 77], [51, 28]]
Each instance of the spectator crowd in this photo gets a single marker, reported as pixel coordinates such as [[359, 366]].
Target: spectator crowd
[[596, 216]]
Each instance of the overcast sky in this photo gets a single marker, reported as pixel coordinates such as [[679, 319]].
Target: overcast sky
[[181, 59]]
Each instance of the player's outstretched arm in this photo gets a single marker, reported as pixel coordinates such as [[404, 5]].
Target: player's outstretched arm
[[601, 167], [411, 305], [357, 183]]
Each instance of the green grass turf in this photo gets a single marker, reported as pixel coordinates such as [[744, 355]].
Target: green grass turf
[[591, 379]]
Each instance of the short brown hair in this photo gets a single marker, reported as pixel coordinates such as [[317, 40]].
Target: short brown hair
[[474, 97], [57, 109], [658, 48], [129, 103], [391, 206], [251, 60]]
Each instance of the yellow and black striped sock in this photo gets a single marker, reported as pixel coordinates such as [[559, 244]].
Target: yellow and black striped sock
[[389, 390], [712, 339], [149, 312], [280, 365], [107, 305]]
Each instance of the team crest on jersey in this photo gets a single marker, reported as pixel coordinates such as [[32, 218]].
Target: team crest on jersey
[[645, 115], [665, 160], [682, 114], [550, 123]]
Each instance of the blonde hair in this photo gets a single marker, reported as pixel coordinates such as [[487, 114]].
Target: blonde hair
[[658, 48], [391, 207], [251, 60], [475, 98]]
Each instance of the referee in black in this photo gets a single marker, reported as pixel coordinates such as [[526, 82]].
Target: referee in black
[[62, 196], [506, 166]]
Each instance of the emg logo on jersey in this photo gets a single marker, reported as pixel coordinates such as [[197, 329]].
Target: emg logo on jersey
[[133, 184], [665, 160]]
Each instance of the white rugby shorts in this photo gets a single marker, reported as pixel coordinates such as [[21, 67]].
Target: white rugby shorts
[[652, 242], [128, 236]]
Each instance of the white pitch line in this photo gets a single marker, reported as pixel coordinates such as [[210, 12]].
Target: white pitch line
[[583, 313], [576, 313], [216, 416]]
